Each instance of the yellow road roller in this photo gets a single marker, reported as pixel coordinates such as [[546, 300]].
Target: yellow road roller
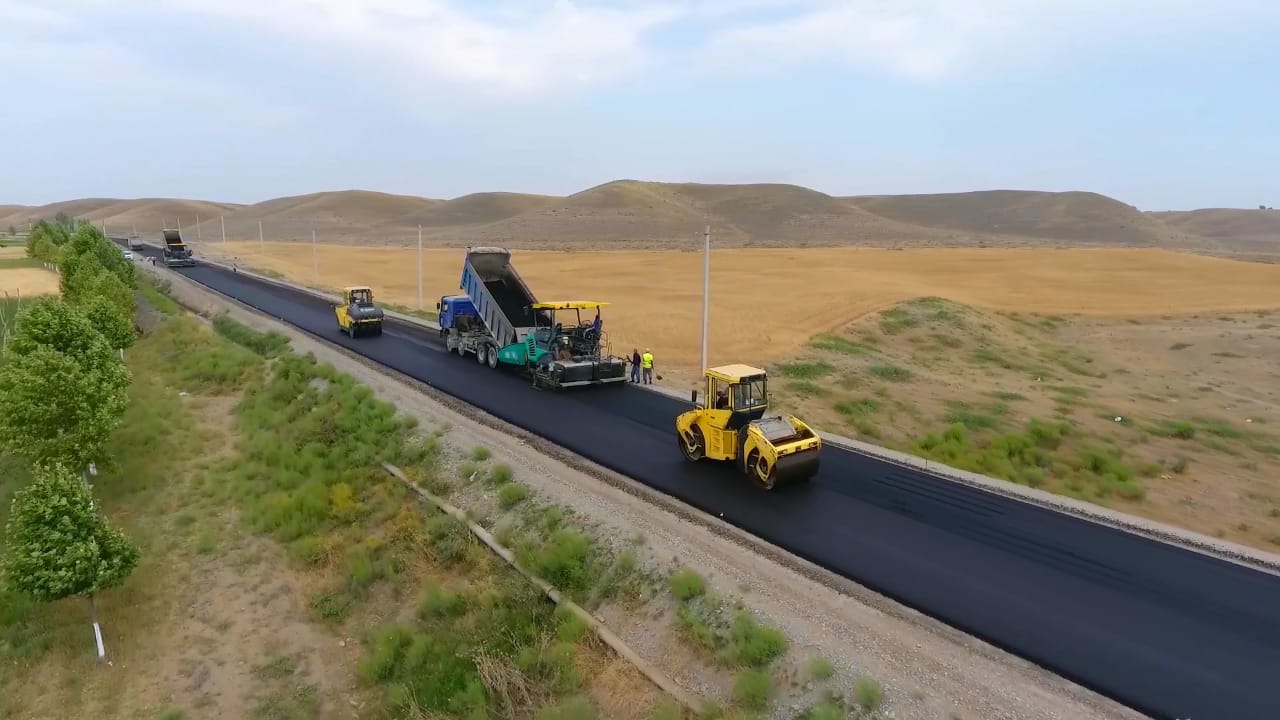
[[358, 315], [731, 425]]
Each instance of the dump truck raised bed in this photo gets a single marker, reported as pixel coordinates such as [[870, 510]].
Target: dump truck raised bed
[[499, 320], [176, 252]]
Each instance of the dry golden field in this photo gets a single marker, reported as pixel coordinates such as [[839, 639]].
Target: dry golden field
[[768, 303], [27, 282]]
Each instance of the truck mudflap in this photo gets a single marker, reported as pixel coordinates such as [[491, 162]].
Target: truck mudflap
[[797, 467]]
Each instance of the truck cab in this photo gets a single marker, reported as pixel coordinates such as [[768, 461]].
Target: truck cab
[[456, 311], [462, 327]]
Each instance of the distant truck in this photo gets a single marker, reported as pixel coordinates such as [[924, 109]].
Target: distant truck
[[176, 252], [135, 242], [502, 323]]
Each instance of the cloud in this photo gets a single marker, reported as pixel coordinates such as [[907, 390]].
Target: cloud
[[423, 51], [511, 48], [928, 40]]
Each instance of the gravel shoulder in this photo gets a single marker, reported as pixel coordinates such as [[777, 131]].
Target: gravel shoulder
[[928, 670]]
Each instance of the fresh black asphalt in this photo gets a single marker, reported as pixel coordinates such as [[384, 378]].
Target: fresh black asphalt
[[1167, 631]]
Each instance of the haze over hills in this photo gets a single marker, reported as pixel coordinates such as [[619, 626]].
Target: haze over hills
[[1253, 230], [636, 214]]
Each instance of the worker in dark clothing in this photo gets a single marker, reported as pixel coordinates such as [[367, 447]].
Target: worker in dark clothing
[[635, 365]]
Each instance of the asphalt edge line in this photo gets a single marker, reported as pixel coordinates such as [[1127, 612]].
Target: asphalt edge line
[[602, 631], [681, 510], [1243, 555]]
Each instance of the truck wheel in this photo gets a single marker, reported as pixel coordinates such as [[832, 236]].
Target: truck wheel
[[493, 357], [481, 352], [450, 343]]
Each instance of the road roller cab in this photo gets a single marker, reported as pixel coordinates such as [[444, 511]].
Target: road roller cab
[[732, 425]]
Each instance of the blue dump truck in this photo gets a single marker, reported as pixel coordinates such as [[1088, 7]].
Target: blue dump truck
[[176, 252], [499, 321]]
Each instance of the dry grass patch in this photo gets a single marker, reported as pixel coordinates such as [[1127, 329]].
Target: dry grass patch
[[1170, 418], [27, 282]]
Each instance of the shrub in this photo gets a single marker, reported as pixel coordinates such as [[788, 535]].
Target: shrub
[[895, 320], [439, 602], [753, 689], [511, 494], [753, 644], [834, 343], [858, 408], [563, 561], [804, 370], [819, 668], [686, 584], [500, 474], [480, 453], [268, 344], [571, 627], [867, 694], [892, 373]]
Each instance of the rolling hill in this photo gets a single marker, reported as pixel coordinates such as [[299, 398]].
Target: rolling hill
[[638, 214], [1076, 217], [476, 209]]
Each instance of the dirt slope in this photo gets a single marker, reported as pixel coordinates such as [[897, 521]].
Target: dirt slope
[[346, 206], [476, 209], [630, 213], [74, 208], [1227, 224], [153, 214], [1080, 217], [1245, 234]]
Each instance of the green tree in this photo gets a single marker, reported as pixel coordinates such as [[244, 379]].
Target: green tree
[[58, 544], [63, 388], [53, 409], [52, 322], [88, 241], [114, 325]]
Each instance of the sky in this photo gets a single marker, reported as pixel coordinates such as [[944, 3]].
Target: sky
[[1163, 104]]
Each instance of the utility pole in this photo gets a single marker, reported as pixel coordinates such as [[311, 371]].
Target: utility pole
[[419, 267], [222, 220], [315, 262], [179, 225], [262, 247], [706, 290], [199, 235]]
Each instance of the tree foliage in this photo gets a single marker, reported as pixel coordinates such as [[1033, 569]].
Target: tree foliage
[[109, 320], [58, 544], [47, 238], [63, 390]]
